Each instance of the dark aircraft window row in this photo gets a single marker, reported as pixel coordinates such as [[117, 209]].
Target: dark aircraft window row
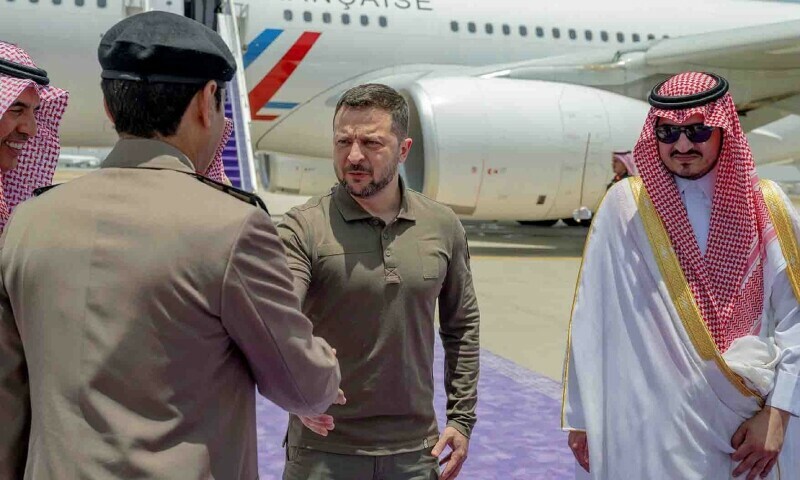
[[345, 18], [540, 32], [78, 3]]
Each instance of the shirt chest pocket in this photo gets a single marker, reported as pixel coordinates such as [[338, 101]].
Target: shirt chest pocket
[[431, 261]]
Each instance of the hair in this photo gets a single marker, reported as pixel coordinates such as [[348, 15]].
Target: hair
[[148, 109], [383, 97]]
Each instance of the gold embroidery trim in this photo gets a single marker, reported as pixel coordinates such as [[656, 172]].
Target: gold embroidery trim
[[783, 227], [678, 287]]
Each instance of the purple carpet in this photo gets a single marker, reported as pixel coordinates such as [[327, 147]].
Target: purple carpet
[[517, 435]]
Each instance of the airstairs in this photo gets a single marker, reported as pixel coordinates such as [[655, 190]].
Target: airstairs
[[238, 157]]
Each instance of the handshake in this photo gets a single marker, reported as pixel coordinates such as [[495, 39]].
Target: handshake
[[323, 423]]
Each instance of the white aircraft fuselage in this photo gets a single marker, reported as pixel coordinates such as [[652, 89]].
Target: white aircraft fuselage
[[490, 148]]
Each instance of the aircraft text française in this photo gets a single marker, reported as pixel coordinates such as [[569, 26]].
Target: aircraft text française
[[423, 5]]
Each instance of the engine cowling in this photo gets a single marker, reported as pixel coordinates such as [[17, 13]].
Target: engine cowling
[[516, 149]]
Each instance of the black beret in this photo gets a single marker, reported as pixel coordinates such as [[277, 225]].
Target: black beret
[[166, 48]]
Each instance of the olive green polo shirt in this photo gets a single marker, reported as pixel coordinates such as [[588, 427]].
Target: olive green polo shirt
[[370, 289]]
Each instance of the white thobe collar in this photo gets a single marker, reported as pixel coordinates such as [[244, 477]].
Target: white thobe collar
[[697, 197], [706, 183]]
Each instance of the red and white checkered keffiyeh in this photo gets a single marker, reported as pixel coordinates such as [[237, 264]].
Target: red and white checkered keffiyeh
[[216, 170], [728, 282], [38, 159]]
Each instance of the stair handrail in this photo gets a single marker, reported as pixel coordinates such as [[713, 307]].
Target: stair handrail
[[240, 103]]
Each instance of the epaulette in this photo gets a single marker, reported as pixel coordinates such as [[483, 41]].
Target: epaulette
[[237, 193], [41, 190]]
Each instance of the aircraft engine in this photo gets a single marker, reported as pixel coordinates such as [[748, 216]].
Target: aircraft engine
[[515, 149]]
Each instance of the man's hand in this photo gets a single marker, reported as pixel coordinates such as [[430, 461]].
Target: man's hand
[[322, 424], [758, 441], [459, 447], [580, 448]]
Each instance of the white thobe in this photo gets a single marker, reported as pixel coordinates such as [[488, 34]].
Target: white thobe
[[651, 406]]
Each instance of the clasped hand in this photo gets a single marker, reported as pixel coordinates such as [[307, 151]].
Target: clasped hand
[[758, 442]]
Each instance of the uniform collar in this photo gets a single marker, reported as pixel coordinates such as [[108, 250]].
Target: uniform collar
[[146, 153], [706, 183], [352, 211]]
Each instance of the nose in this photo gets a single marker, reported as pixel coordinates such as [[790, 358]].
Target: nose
[[683, 144], [355, 156], [27, 125]]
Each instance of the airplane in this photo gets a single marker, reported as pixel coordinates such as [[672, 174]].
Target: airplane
[[516, 105]]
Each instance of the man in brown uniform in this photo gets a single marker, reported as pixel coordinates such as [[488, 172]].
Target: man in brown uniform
[[370, 261], [139, 304]]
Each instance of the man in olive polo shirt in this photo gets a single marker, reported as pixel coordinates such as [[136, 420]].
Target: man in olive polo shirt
[[370, 260]]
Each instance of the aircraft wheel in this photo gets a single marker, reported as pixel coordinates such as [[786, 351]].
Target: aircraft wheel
[[571, 222]]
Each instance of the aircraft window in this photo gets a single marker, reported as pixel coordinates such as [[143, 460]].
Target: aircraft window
[[666, 36], [489, 28], [604, 36], [79, 3], [572, 34], [650, 36], [34, 1], [620, 37], [346, 18], [102, 3], [382, 21], [539, 32], [326, 17], [636, 37], [556, 33], [588, 35], [287, 14], [454, 26], [56, 2], [471, 27], [307, 16], [364, 20], [506, 30], [523, 30]]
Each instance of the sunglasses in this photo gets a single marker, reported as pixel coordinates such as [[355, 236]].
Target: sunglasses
[[696, 133]]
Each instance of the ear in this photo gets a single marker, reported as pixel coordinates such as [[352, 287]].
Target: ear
[[405, 147], [207, 104]]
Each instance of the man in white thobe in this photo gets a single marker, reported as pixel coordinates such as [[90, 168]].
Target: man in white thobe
[[684, 349]]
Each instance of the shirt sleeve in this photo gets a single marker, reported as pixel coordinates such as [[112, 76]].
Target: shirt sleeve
[[292, 368], [459, 321], [15, 406], [294, 234]]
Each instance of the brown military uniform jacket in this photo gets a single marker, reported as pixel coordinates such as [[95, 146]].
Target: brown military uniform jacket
[[139, 308]]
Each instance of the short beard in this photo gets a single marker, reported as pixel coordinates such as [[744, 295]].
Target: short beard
[[701, 174], [374, 186]]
